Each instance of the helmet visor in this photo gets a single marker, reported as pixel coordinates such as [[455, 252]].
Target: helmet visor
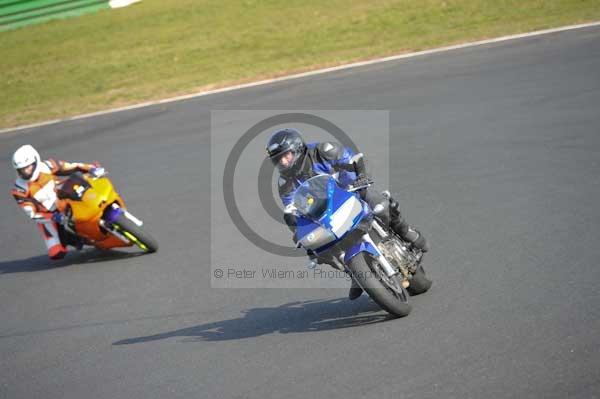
[[27, 171], [284, 160]]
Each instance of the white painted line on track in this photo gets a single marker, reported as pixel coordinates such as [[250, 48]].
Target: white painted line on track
[[121, 3], [309, 73]]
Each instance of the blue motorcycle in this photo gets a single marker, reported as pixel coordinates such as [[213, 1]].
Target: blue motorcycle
[[343, 231]]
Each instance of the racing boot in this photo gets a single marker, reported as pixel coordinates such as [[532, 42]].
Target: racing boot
[[79, 243], [355, 291], [400, 227], [68, 238], [51, 236], [57, 252]]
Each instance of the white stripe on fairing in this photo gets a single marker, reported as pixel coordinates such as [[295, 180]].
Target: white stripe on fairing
[[306, 74], [344, 216]]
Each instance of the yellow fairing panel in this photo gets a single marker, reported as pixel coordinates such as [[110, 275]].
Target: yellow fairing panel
[[94, 200]]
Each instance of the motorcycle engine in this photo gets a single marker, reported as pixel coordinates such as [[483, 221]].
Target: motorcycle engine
[[400, 255]]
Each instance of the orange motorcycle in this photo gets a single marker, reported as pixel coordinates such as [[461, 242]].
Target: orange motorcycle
[[97, 214]]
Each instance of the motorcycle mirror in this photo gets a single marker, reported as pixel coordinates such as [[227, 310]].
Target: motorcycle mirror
[[356, 157]]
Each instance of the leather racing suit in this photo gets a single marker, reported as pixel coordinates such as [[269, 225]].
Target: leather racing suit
[[37, 198]]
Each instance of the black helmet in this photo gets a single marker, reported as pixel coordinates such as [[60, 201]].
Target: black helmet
[[282, 142]]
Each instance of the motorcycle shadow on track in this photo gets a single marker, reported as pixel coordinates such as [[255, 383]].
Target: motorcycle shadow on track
[[42, 262], [293, 317]]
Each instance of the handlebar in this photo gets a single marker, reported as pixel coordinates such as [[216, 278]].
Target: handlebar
[[362, 186]]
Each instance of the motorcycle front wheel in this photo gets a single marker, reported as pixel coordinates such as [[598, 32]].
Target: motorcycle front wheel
[[387, 292], [135, 234]]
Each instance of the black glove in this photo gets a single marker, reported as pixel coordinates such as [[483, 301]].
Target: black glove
[[362, 180]]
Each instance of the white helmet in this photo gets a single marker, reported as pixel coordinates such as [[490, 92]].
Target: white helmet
[[24, 156]]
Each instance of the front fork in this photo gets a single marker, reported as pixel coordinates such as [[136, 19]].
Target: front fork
[[405, 269], [366, 244], [110, 217], [388, 269]]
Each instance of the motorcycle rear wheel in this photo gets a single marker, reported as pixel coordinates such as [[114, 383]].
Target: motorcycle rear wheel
[[387, 292], [419, 282]]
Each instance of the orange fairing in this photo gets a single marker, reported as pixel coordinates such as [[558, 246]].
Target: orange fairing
[[87, 212]]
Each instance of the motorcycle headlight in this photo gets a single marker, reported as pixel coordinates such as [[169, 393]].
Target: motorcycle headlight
[[317, 238]]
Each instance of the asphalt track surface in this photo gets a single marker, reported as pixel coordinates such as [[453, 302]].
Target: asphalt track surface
[[496, 151]]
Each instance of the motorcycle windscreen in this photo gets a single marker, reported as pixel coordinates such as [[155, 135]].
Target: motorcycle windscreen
[[313, 196], [73, 188], [335, 211]]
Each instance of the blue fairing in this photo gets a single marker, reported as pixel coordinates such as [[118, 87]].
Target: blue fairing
[[305, 226], [362, 246], [321, 234], [337, 197]]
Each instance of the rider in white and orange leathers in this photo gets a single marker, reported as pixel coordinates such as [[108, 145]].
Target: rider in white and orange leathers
[[34, 191]]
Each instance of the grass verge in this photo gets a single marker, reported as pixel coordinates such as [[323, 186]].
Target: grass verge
[[161, 48]]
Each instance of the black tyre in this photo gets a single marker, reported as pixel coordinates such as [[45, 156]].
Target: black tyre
[[419, 282], [135, 234], [387, 292]]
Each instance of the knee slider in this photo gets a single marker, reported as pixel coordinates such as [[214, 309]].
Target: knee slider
[[399, 226], [417, 239]]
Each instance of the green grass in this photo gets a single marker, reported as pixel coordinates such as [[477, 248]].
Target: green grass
[[160, 48]]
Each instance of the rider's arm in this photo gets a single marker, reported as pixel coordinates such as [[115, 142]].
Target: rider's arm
[[340, 161], [290, 221], [64, 168], [29, 205], [286, 193]]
